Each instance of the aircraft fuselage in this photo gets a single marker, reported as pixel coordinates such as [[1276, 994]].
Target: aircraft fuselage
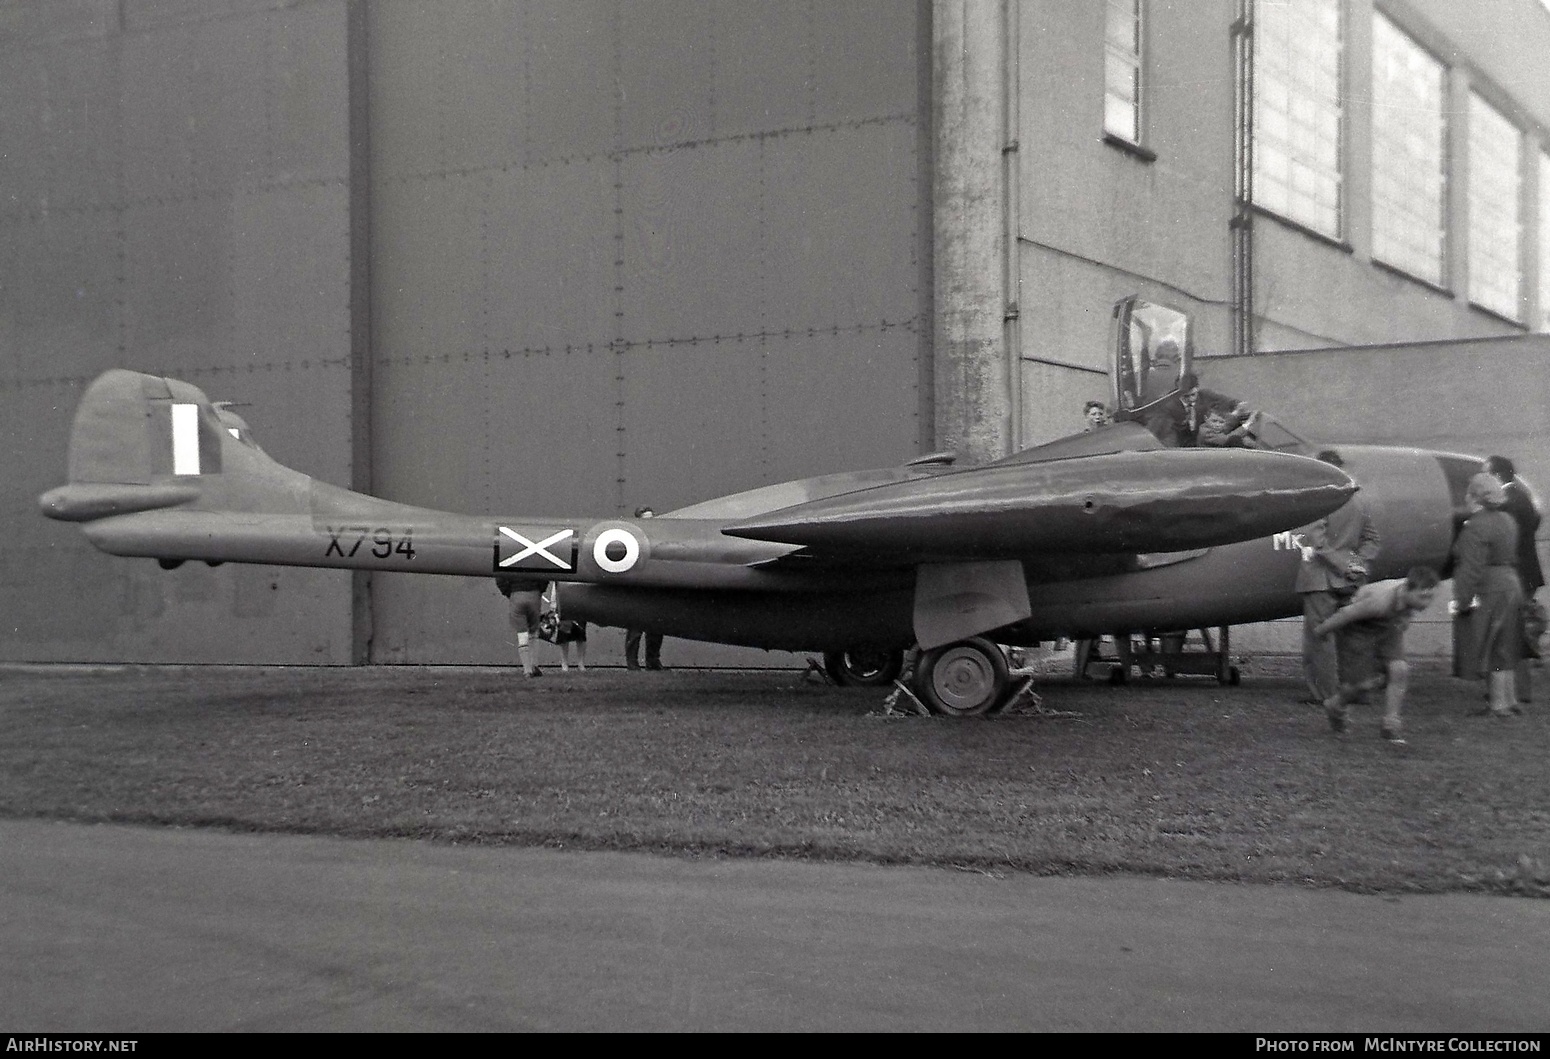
[[1415, 497], [1045, 543]]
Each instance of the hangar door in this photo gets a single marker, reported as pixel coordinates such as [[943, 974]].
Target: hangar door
[[636, 253]]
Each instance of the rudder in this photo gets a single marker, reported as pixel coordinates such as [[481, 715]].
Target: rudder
[[137, 442]]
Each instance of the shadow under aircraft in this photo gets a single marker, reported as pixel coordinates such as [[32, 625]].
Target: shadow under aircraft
[[1101, 532]]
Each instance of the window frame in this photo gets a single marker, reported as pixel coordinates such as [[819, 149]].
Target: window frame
[[1378, 206], [1543, 189], [1301, 207], [1479, 240], [1136, 63]]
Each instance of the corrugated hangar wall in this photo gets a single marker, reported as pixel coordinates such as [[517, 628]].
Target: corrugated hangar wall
[[620, 252], [176, 199]]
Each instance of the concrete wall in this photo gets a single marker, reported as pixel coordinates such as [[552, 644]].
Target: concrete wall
[[1099, 222], [1480, 397]]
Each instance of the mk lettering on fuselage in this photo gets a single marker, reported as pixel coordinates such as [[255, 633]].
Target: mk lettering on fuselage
[[1291, 540]]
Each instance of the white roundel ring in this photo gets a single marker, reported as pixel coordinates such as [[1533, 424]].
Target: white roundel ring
[[615, 536]]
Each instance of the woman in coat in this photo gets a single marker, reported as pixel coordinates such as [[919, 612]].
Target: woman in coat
[[1485, 580]]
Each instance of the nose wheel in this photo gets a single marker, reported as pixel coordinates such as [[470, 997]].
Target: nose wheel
[[967, 678]]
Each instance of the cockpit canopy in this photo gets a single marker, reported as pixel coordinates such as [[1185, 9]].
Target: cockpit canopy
[[1153, 350]]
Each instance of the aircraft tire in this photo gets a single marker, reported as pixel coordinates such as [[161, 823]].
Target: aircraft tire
[[967, 678], [863, 667]]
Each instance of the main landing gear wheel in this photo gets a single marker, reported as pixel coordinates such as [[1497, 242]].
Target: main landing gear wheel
[[863, 667], [963, 679]]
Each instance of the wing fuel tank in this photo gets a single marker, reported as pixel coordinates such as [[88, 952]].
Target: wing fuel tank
[[1169, 500]]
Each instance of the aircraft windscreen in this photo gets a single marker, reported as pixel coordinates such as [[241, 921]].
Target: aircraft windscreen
[[1154, 354], [1272, 435]]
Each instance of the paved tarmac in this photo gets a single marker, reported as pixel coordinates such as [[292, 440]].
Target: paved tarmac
[[131, 929]]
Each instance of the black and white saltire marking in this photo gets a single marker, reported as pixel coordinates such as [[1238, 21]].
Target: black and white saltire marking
[[519, 550]]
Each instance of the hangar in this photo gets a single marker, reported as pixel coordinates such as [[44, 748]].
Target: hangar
[[537, 255]]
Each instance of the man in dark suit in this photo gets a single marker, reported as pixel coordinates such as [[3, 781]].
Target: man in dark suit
[[1173, 419], [1521, 507], [1337, 555]]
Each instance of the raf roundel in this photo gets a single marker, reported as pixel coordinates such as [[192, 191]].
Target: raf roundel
[[616, 550]]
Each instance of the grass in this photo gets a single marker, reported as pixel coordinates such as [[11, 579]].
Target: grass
[[1183, 780]]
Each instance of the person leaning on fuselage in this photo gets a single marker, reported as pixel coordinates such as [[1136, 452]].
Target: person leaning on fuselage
[[1486, 585], [1337, 555], [1370, 638]]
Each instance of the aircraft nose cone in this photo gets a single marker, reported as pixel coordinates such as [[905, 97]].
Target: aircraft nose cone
[[1258, 494]]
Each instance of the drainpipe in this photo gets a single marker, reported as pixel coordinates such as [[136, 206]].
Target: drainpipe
[[1011, 208], [1242, 223], [970, 226]]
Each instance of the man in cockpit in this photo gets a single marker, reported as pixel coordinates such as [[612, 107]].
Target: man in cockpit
[[1172, 420], [1195, 416]]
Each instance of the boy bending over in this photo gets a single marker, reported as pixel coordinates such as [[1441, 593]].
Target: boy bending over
[[1370, 642]]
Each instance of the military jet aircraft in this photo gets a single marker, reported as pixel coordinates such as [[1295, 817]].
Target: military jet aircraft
[[1104, 531]]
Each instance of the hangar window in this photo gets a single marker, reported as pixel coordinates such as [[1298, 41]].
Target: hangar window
[[1409, 183], [1122, 71], [1494, 162], [1297, 112], [1544, 242]]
